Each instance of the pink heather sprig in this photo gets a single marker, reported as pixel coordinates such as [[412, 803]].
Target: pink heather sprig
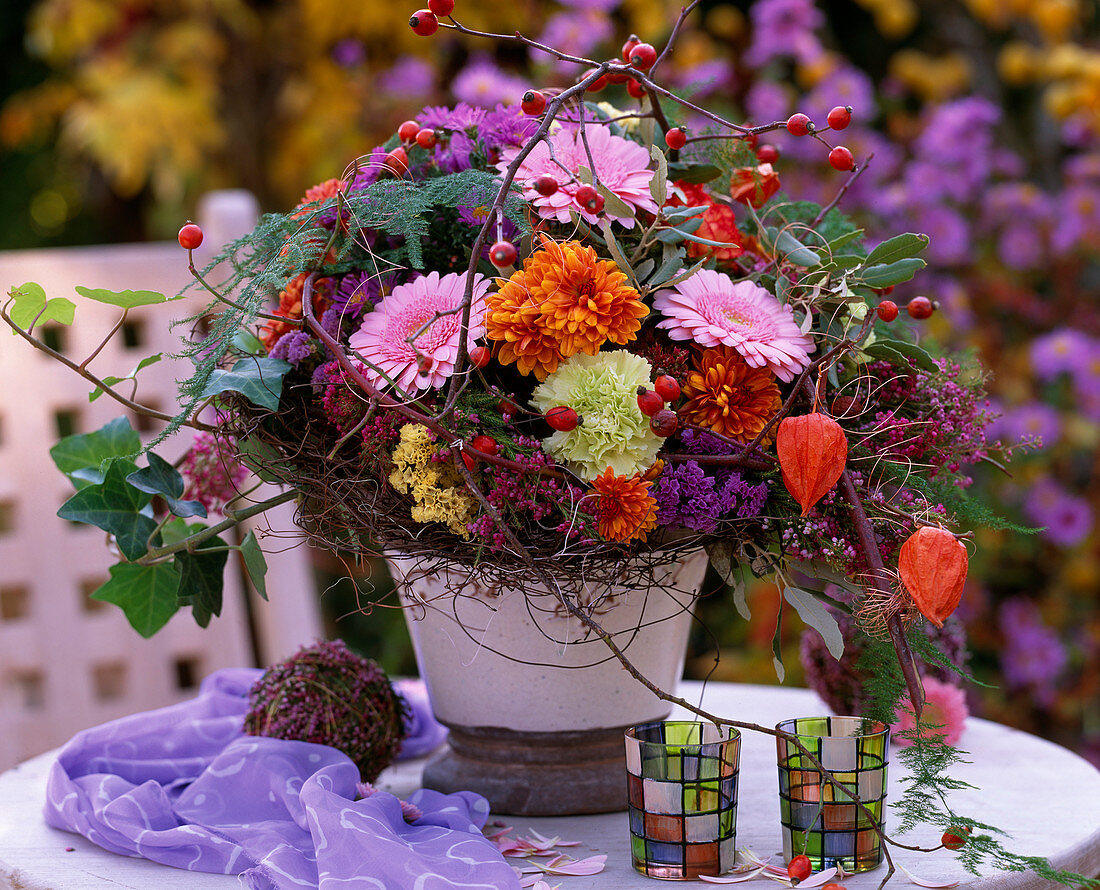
[[212, 474]]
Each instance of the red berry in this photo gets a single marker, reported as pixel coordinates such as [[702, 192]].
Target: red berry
[[635, 89], [562, 418], [887, 310], [920, 307], [649, 401], [441, 7], [767, 153], [800, 868], [617, 74], [407, 131], [424, 22], [799, 125], [955, 837], [667, 387], [479, 356], [628, 47], [643, 56], [664, 423], [833, 885], [841, 158], [190, 236], [485, 444], [675, 138], [598, 84], [884, 291], [840, 117], [846, 406], [533, 102], [425, 138], [589, 199], [471, 464], [546, 185], [502, 254], [398, 161]]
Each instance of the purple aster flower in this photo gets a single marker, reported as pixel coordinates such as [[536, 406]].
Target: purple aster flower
[[409, 78], [370, 168], [1062, 351], [784, 28], [294, 346], [475, 215], [1066, 518], [1078, 217], [1021, 245], [349, 53], [1086, 370], [707, 77], [593, 5], [948, 233], [576, 32], [356, 292], [1083, 168], [844, 85], [462, 117], [1035, 421], [1033, 655], [506, 126], [768, 101], [483, 83]]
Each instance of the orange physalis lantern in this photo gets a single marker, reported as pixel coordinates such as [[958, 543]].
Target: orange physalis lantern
[[932, 564], [812, 453]]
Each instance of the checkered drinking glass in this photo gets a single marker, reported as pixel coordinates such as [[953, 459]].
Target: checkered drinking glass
[[818, 818], [682, 786]]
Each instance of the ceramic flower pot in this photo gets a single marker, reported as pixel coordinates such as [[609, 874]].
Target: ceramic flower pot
[[536, 703]]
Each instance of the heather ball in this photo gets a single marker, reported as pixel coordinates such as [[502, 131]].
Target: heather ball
[[329, 695]]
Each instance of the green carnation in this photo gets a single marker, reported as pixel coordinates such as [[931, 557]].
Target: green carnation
[[603, 390]]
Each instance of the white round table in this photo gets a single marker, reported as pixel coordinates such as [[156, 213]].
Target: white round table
[[1046, 798]]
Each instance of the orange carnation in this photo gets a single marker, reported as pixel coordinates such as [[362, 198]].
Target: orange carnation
[[724, 394], [754, 185], [624, 508]]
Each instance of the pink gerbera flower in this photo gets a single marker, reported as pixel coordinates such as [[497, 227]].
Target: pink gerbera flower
[[621, 165], [426, 303], [710, 308], [944, 713]]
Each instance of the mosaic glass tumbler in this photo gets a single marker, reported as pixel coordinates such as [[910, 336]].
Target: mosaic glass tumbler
[[682, 786], [818, 818]]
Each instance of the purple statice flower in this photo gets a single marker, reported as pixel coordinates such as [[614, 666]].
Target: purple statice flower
[[1036, 422], [212, 472], [1066, 518], [687, 497], [1062, 351], [576, 32], [294, 347], [410, 77], [349, 53], [483, 83], [1033, 656], [784, 28], [506, 126]]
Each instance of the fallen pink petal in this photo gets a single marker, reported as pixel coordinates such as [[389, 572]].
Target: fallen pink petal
[[921, 882]]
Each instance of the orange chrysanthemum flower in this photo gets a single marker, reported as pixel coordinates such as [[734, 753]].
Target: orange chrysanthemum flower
[[719, 224], [724, 394], [290, 307], [624, 508], [562, 302]]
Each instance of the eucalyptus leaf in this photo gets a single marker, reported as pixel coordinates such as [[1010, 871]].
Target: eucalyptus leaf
[[814, 614], [127, 299], [696, 174], [617, 252], [146, 594], [844, 240], [117, 507], [897, 351], [643, 269], [899, 247], [658, 185], [795, 251], [889, 274], [777, 648], [260, 380], [613, 204]]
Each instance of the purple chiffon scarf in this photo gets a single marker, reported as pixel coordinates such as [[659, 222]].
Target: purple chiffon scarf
[[183, 786]]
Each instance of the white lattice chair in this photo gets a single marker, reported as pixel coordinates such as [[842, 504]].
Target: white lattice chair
[[67, 661]]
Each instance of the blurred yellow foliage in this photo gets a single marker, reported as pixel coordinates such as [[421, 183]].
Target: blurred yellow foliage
[[932, 79]]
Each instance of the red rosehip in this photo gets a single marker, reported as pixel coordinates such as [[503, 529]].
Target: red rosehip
[[846, 406], [562, 418], [546, 185], [920, 307], [635, 89], [398, 161], [955, 837], [675, 138], [598, 84], [887, 310], [833, 885], [533, 102], [800, 868], [424, 22], [767, 153], [884, 291], [502, 254], [841, 159], [649, 401], [840, 117], [589, 199], [407, 131], [628, 47], [485, 444], [425, 138], [617, 74], [190, 236], [643, 56], [479, 356], [664, 423], [441, 7], [799, 125], [667, 387]]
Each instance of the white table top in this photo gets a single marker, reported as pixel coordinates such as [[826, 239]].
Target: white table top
[[1045, 797]]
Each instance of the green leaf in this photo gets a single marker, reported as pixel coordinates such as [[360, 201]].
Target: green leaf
[[85, 451], [202, 576], [30, 307], [814, 614], [898, 351], [111, 381], [127, 299], [613, 204], [260, 380], [258, 456], [658, 185], [160, 477], [249, 343], [617, 252], [643, 269], [693, 173], [721, 555], [777, 648], [254, 563], [844, 240], [795, 251], [899, 247], [888, 274], [116, 507], [147, 594]]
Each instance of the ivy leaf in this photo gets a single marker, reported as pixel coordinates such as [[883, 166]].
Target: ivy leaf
[[160, 477], [899, 247], [82, 452], [889, 274], [254, 563], [814, 614], [116, 507], [146, 594], [260, 380], [30, 306], [202, 575], [127, 299], [111, 381]]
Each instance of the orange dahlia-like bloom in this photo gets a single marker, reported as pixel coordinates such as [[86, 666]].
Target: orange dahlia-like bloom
[[719, 224], [724, 394], [290, 307], [318, 193], [563, 301], [624, 508]]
